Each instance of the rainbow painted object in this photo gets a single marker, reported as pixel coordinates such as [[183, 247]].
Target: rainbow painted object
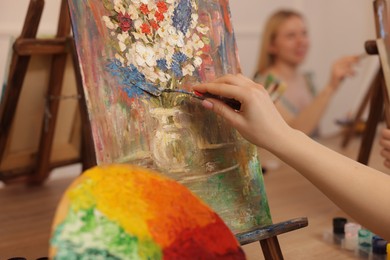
[[128, 212]]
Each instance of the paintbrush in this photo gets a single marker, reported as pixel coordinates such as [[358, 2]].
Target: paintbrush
[[236, 105], [274, 87]]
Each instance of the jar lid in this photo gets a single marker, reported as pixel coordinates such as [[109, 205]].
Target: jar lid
[[379, 245], [338, 225], [351, 229], [364, 233]]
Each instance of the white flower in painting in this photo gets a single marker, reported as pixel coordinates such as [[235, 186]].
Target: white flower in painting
[[188, 70], [194, 5], [145, 55], [120, 58], [161, 32], [202, 29], [133, 12], [139, 36], [136, 2], [169, 51], [137, 24], [109, 23], [194, 20], [118, 7], [176, 40], [163, 77], [171, 30], [150, 16], [159, 50], [150, 74], [130, 56], [152, 5], [122, 37], [197, 42], [122, 46], [197, 61], [188, 51]]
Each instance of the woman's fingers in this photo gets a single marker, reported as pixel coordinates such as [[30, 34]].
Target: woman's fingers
[[220, 108], [385, 143], [229, 86], [385, 133], [219, 89]]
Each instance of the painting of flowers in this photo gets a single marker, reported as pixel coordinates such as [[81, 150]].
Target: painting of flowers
[[158, 40], [137, 57]]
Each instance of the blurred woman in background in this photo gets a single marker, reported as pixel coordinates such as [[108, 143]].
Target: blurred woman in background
[[284, 47]]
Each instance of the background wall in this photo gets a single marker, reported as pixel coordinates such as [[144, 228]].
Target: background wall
[[336, 28]]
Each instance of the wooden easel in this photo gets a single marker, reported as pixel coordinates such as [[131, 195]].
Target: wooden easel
[[24, 47], [377, 96]]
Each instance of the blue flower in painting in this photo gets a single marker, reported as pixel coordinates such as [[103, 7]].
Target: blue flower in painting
[[177, 71], [177, 59], [114, 67], [131, 77], [162, 64], [182, 16]]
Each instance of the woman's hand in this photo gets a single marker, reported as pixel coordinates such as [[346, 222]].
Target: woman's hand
[[385, 143], [258, 120], [341, 69]]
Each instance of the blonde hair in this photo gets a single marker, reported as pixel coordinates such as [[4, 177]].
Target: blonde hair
[[273, 23]]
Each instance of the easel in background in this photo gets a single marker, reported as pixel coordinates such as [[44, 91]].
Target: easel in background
[[378, 94], [59, 47]]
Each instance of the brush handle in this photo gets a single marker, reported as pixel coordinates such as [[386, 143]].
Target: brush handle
[[236, 105]]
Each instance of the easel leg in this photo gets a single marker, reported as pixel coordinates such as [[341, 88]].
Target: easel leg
[[87, 147], [54, 91], [17, 73], [271, 248], [374, 117], [350, 131]]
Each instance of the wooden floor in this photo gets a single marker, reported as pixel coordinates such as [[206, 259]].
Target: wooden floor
[[26, 212]]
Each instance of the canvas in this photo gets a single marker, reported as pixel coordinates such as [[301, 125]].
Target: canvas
[[136, 56]]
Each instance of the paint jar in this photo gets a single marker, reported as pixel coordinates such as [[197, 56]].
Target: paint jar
[[338, 229], [351, 235], [364, 242], [388, 251], [378, 248]]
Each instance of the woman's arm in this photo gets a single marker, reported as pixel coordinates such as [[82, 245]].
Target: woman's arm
[[360, 191], [307, 120]]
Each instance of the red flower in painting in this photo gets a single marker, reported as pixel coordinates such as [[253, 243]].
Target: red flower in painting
[[162, 7], [206, 48], [124, 22], [159, 16], [154, 25], [144, 9], [145, 28]]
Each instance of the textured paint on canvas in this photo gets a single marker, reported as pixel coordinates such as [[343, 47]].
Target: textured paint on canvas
[[134, 55]]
